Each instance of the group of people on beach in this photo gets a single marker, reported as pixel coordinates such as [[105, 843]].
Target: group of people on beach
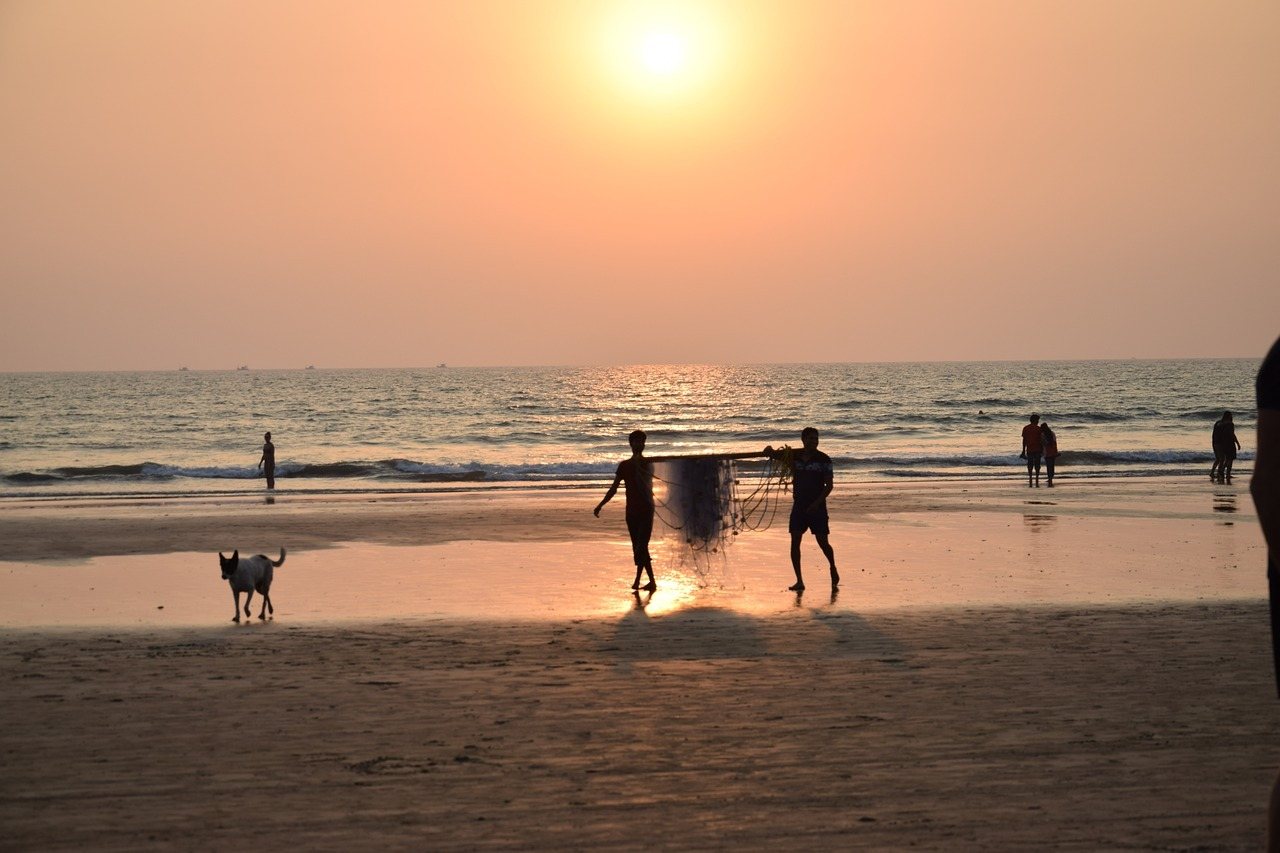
[[812, 482], [812, 479]]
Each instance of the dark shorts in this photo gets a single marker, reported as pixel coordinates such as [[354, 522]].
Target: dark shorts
[[640, 526], [817, 521], [1226, 451], [1033, 457]]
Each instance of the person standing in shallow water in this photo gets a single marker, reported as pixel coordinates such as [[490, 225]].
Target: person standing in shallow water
[[268, 461], [1225, 445], [1049, 441], [637, 474], [1032, 448], [812, 479]]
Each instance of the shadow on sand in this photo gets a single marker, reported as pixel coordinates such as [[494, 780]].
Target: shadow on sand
[[706, 632]]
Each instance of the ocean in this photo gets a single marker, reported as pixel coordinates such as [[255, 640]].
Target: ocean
[[200, 432]]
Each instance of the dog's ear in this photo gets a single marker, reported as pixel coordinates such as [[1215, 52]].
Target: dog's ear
[[222, 558], [235, 555]]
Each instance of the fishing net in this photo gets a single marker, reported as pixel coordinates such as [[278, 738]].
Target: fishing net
[[705, 501]]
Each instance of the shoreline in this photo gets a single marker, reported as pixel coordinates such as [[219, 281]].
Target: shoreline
[[83, 528]]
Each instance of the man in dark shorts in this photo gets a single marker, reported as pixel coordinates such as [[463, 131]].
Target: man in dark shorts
[[637, 473], [1265, 487], [812, 479], [268, 461], [1032, 448]]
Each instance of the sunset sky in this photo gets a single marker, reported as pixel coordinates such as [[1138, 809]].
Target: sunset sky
[[557, 182]]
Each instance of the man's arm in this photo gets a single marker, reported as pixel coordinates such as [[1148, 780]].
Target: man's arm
[[1265, 485], [613, 490], [1023, 454], [828, 483]]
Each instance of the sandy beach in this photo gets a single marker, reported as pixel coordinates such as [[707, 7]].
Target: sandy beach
[[1085, 667]]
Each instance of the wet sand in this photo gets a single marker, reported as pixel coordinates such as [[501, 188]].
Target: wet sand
[[1088, 673]]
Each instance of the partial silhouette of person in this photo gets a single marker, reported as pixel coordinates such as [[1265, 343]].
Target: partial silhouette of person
[[1265, 488], [1225, 445], [812, 479], [1049, 443], [1032, 448], [637, 474], [268, 461]]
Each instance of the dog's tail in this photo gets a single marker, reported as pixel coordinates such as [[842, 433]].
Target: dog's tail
[[279, 562]]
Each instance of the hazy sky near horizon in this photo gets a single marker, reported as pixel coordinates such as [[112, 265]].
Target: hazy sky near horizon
[[584, 181]]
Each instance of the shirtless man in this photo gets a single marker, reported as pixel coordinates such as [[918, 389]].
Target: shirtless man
[[268, 461], [637, 473]]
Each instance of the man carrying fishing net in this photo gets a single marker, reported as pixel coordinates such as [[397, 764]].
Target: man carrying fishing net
[[812, 478], [637, 474]]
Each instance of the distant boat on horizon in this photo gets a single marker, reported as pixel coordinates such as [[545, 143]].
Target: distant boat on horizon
[[442, 364], [310, 367], [184, 367], [243, 367]]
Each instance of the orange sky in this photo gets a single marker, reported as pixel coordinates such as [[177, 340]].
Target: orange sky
[[397, 184]]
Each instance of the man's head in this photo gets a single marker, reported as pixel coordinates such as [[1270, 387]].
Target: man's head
[[637, 439], [267, 436], [809, 438], [1226, 416], [1035, 419]]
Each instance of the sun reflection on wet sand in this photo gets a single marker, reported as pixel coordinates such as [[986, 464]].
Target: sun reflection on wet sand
[[918, 560]]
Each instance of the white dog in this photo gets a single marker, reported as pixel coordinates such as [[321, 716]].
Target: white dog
[[247, 575]]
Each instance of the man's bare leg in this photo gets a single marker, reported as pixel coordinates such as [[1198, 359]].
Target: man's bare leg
[[795, 561], [830, 554]]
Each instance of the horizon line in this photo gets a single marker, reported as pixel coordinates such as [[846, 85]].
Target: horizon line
[[588, 365]]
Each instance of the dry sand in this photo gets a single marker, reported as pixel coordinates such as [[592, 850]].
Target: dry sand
[[1088, 673]]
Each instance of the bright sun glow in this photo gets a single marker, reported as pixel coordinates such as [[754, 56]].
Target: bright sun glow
[[662, 51]]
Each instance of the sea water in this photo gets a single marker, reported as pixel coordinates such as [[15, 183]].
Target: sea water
[[195, 432]]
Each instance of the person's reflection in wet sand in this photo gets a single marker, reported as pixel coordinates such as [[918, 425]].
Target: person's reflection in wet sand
[[835, 596]]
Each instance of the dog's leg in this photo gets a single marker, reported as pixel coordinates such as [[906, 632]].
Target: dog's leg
[[247, 601], [270, 607], [235, 593], [266, 602]]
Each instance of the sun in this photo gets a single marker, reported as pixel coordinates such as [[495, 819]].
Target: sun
[[662, 52]]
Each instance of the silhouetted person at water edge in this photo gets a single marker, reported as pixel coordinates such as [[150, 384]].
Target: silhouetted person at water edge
[[268, 461], [1225, 445], [1266, 497], [1032, 448], [812, 479], [1049, 442], [637, 473]]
